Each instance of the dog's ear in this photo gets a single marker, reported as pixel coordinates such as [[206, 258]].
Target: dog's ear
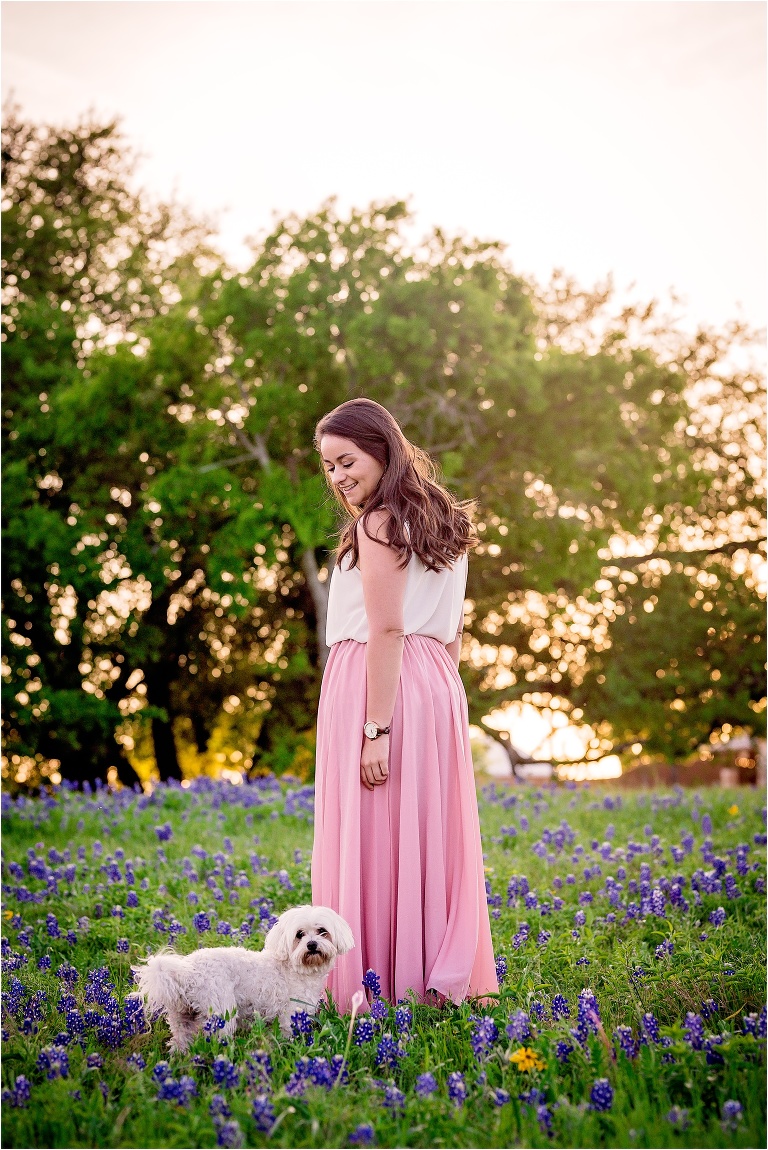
[[278, 940], [343, 938]]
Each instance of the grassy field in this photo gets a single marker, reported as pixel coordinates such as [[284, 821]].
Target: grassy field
[[630, 932]]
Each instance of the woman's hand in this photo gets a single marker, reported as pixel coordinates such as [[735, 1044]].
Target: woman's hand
[[374, 762]]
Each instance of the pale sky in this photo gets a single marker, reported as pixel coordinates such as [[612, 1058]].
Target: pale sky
[[602, 137]]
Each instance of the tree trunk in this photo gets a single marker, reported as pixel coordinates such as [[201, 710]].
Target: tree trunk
[[319, 592], [159, 695]]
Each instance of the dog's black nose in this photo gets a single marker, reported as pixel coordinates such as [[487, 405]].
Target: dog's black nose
[[312, 947]]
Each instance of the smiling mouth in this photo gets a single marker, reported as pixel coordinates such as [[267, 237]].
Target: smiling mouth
[[347, 489]]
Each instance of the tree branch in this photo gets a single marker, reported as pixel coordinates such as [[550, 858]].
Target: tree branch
[[673, 556]]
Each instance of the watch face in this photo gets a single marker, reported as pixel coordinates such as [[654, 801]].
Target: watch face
[[371, 730]]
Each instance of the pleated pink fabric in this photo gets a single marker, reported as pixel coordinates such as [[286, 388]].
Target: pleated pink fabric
[[403, 863]]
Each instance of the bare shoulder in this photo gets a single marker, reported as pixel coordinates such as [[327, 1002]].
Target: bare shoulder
[[376, 526]]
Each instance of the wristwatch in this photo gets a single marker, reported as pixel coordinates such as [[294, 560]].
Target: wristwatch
[[373, 732]]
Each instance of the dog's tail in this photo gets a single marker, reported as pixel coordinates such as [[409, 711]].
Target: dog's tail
[[161, 982]]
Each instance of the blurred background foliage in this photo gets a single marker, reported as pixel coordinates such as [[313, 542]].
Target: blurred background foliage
[[167, 529]]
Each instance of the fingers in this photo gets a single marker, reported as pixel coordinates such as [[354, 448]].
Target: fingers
[[373, 774]]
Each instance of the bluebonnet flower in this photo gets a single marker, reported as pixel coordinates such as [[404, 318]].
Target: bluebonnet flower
[[543, 937], [219, 1107], [425, 1085], [201, 922], [717, 917], [678, 1117], [164, 832], [136, 1060], [579, 918], [650, 1029], [94, 1062], [123, 946], [601, 1095], [223, 927], [225, 1073], [518, 1027], [501, 968], [665, 948], [67, 973], [394, 1099], [457, 1088], [19, 1094], [379, 1010], [499, 1097], [44, 962], [694, 1030], [403, 1019], [706, 825], [732, 1114], [75, 1022], [263, 1113], [625, 1039], [54, 1060], [560, 1007], [161, 1071], [582, 962], [132, 899], [484, 1035], [364, 1031], [302, 1024], [755, 1024], [212, 1024], [180, 1091], [52, 926], [228, 1134], [709, 1008], [388, 1052], [362, 1135], [109, 1030], [258, 1068], [372, 982]]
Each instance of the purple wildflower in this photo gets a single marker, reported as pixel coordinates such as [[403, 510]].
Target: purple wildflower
[[263, 1113], [560, 1007], [364, 1031], [362, 1135], [457, 1088], [426, 1084], [484, 1035], [601, 1095], [372, 982]]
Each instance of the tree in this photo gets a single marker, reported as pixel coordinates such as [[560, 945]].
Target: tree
[[167, 522], [86, 264]]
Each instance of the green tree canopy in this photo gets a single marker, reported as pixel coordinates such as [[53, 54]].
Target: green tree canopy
[[168, 528]]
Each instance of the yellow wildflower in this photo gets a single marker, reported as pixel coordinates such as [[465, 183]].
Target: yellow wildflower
[[526, 1059], [734, 810]]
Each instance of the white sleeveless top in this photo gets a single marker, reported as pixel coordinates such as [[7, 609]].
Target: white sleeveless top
[[433, 605]]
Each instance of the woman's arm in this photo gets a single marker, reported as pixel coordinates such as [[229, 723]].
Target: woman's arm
[[384, 593], [454, 647]]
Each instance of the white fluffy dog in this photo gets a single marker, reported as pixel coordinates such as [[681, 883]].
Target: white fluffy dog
[[288, 975]]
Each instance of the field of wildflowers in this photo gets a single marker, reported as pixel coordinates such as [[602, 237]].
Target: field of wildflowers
[[630, 940]]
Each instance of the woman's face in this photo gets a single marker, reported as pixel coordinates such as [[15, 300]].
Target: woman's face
[[352, 471]]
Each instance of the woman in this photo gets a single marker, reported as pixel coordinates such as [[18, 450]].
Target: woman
[[397, 848]]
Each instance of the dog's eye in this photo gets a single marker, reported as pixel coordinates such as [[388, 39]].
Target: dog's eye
[[299, 933], [322, 930]]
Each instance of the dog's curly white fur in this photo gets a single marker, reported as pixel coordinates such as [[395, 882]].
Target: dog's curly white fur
[[288, 975]]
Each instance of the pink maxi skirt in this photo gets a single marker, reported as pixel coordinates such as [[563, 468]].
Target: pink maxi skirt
[[403, 864]]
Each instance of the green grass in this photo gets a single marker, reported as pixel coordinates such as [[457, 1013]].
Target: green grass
[[117, 1105]]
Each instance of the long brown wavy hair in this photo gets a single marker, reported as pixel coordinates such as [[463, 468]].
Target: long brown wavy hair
[[441, 528]]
